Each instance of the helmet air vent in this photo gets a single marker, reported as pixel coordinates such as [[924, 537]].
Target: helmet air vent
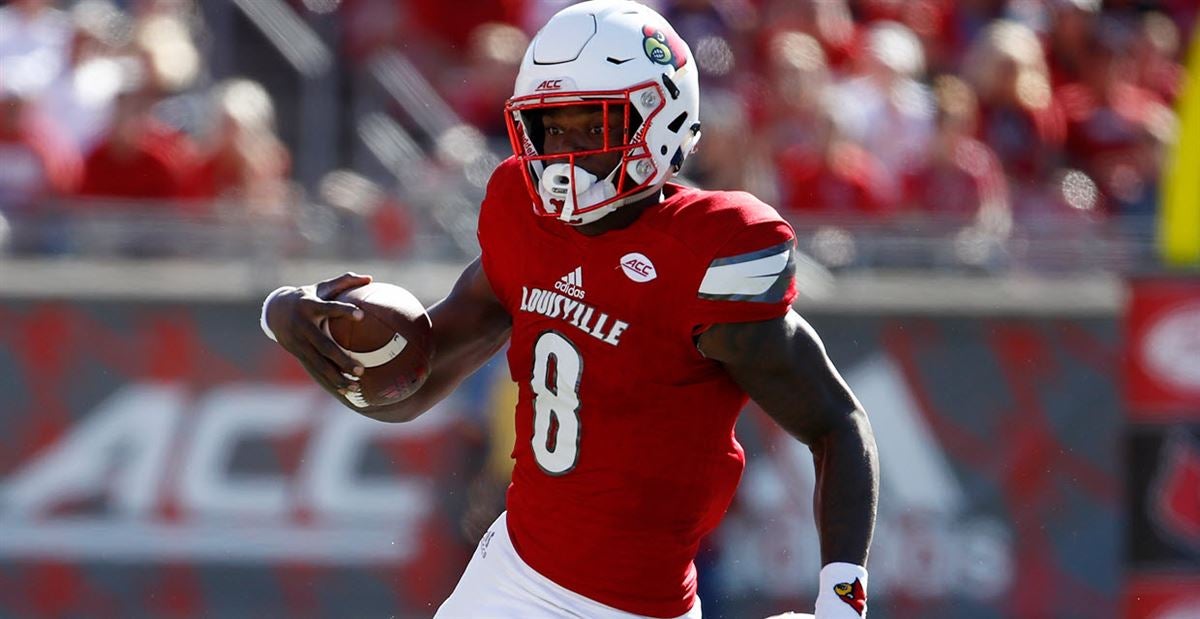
[[677, 123], [671, 87]]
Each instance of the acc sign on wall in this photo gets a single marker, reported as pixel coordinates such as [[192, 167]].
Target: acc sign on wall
[[171, 453], [165, 467], [168, 460]]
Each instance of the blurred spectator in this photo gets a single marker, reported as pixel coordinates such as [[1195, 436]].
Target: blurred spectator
[[368, 26], [829, 22], [81, 97], [834, 175], [139, 158], [728, 157], [1058, 205], [165, 42], [452, 23], [791, 105], [931, 20], [478, 92], [716, 32], [1072, 24], [1111, 121], [818, 106], [1019, 118], [1156, 46], [171, 8], [1184, 13], [35, 162], [436, 34], [885, 107], [371, 212], [33, 44], [960, 176], [244, 161]]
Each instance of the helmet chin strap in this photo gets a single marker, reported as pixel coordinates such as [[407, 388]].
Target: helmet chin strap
[[556, 189], [573, 192]]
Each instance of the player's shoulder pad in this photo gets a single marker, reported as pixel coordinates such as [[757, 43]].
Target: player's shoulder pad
[[745, 248], [704, 219], [711, 222], [722, 207]]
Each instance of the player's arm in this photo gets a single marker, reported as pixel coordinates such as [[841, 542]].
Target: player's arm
[[781, 363], [469, 326]]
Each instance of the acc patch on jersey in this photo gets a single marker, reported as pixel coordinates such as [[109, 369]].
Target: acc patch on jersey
[[638, 267]]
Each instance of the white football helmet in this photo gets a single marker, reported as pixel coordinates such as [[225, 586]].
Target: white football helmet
[[605, 53]]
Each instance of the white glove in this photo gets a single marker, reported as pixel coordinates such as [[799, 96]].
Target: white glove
[[843, 593]]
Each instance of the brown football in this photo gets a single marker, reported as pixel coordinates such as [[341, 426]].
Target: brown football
[[393, 342]]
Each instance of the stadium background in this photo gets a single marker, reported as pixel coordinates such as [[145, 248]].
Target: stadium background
[[998, 202]]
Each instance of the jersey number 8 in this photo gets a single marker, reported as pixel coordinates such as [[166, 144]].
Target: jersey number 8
[[557, 369]]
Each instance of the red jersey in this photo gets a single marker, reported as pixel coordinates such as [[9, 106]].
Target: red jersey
[[625, 453]]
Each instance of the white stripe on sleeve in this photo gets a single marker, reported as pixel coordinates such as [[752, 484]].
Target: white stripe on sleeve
[[752, 277]]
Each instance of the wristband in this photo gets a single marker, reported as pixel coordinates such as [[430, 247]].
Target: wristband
[[262, 315], [843, 592]]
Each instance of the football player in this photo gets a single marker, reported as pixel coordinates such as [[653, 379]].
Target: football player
[[640, 315]]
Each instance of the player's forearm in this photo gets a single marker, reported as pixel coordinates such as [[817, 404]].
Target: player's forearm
[[455, 358], [469, 326], [847, 491]]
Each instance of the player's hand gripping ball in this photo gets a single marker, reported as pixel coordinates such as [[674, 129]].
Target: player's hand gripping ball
[[393, 342]]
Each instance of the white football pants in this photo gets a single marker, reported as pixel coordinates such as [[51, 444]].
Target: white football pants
[[497, 584]]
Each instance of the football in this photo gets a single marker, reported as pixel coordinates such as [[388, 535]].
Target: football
[[393, 342]]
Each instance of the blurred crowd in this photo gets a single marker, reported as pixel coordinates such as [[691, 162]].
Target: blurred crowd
[[999, 112], [102, 104]]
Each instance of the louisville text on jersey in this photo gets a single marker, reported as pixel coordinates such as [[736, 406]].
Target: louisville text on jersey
[[584, 317]]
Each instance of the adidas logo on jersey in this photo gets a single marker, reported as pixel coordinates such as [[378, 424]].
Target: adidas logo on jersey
[[567, 303], [571, 284]]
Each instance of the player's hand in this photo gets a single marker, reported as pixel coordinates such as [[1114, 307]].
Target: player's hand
[[296, 315]]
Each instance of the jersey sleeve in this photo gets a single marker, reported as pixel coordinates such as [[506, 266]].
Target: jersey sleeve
[[749, 278]]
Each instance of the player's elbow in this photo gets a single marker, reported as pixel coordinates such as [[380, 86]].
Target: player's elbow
[[847, 426], [853, 434]]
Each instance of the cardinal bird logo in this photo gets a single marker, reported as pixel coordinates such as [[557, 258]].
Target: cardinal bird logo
[[852, 594], [664, 47], [1176, 504]]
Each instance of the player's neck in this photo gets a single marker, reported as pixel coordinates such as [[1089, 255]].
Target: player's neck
[[621, 218]]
